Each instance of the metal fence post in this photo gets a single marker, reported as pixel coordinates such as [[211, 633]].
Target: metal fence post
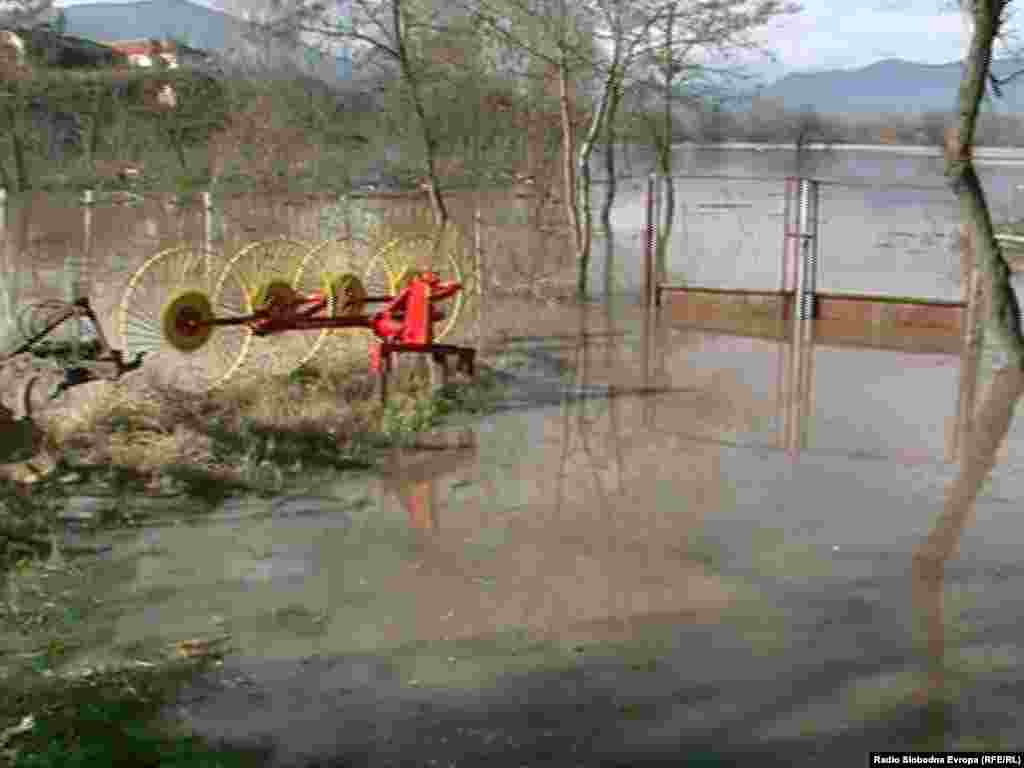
[[808, 253], [786, 236], [813, 263]]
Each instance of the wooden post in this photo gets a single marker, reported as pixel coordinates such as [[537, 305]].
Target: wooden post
[[77, 280], [87, 203], [207, 225]]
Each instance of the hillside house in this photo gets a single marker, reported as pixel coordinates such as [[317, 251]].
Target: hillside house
[[159, 53], [147, 53]]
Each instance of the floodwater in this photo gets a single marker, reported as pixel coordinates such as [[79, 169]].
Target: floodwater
[[663, 540], [888, 225], [666, 542], [888, 222]]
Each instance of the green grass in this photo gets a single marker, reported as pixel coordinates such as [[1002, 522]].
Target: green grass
[[111, 718], [49, 718], [100, 719], [408, 412]]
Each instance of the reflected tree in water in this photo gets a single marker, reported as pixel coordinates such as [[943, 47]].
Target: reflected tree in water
[[990, 427]]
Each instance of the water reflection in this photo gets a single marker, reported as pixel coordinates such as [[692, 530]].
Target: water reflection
[[624, 510], [837, 386], [621, 495], [583, 530], [413, 476], [985, 433]]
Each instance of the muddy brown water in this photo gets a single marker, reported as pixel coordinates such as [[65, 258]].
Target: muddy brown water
[[664, 542]]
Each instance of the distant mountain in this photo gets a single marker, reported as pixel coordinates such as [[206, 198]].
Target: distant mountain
[[199, 27], [890, 85]]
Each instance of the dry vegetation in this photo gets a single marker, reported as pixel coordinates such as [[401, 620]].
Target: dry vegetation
[[291, 422]]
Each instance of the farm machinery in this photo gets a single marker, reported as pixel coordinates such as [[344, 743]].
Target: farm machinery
[[275, 304]]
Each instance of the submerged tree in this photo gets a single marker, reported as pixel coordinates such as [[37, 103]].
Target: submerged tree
[[393, 34], [685, 33], [986, 18]]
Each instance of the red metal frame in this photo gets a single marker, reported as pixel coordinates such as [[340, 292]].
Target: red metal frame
[[404, 324]]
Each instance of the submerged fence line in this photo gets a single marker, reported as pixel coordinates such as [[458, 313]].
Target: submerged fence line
[[800, 268], [822, 181]]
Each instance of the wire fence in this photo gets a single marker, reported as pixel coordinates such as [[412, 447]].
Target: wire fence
[[728, 232], [62, 247]]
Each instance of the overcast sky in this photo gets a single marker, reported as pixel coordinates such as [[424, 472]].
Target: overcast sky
[[841, 34], [844, 34]]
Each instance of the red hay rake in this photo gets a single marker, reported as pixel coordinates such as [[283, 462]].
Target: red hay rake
[[206, 327]]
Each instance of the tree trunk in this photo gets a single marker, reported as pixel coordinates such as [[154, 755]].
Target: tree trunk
[[179, 151], [568, 152], [610, 189], [437, 204], [583, 176], [665, 156], [668, 217], [1004, 312], [609, 157], [20, 162], [17, 151], [5, 177]]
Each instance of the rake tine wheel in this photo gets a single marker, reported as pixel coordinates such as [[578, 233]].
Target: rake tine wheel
[[398, 261], [377, 272], [259, 275], [169, 286], [334, 267]]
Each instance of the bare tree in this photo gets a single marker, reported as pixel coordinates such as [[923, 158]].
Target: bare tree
[[686, 31], [389, 33], [807, 127], [626, 28], [21, 14], [558, 37], [986, 19]]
